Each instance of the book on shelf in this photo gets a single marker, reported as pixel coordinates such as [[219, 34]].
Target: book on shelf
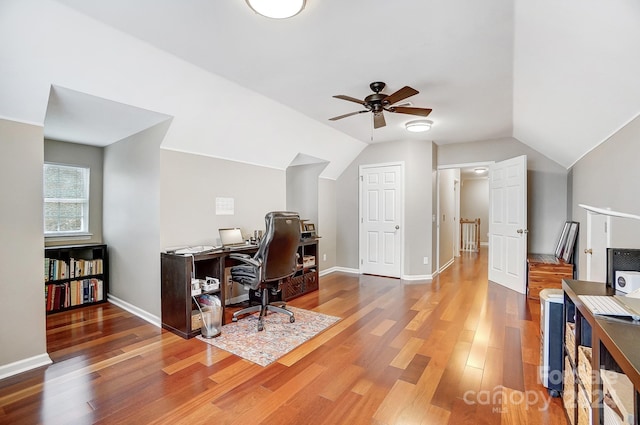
[[55, 269], [77, 292], [79, 267]]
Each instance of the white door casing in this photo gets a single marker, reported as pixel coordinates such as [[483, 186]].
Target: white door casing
[[598, 240], [508, 223], [381, 219]]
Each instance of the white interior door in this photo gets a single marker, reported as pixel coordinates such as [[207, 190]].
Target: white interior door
[[598, 240], [381, 231], [508, 223]]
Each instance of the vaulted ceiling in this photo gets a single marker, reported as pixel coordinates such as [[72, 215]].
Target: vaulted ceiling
[[560, 77]]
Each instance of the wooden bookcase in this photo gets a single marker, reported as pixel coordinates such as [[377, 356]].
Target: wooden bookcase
[[75, 276], [602, 361]]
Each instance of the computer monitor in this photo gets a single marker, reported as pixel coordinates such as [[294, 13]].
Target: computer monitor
[[230, 236]]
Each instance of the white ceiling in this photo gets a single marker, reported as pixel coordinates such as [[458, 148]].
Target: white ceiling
[[81, 118], [560, 77]]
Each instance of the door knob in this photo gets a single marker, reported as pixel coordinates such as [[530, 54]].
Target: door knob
[[397, 227], [588, 251], [521, 231]]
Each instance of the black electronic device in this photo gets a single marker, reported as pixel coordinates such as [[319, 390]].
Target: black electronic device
[[625, 259]]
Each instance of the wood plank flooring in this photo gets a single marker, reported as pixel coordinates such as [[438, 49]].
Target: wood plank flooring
[[458, 350]]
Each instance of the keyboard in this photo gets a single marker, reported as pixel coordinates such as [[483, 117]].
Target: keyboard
[[201, 249], [606, 306], [239, 247]]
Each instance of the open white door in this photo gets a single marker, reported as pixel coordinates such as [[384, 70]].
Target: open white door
[[381, 230], [508, 223], [598, 240]]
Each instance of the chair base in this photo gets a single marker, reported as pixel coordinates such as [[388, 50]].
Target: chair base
[[276, 307]]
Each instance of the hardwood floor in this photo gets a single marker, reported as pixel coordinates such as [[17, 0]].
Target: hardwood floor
[[458, 350]]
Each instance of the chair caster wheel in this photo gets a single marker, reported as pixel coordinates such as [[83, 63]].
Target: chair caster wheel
[[260, 327], [292, 319], [234, 319]]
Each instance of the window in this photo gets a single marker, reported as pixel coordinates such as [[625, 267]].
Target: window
[[66, 200]]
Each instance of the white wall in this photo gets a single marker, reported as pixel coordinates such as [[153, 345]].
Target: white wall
[[608, 177], [190, 185], [209, 112], [474, 203], [22, 312], [302, 190], [418, 204], [546, 185], [131, 219], [327, 222], [446, 215]]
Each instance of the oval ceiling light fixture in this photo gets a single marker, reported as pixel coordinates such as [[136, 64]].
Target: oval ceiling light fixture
[[277, 9], [418, 126], [480, 170]]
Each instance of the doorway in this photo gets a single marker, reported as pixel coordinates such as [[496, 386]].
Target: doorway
[[462, 193], [381, 227]]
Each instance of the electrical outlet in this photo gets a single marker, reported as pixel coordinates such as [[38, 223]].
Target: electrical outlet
[[425, 260], [324, 257]]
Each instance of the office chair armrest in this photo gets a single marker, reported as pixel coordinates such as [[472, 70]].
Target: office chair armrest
[[245, 258]]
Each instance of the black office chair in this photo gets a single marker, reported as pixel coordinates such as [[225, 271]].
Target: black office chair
[[275, 260]]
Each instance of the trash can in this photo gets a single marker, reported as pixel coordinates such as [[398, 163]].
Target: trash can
[[211, 314]]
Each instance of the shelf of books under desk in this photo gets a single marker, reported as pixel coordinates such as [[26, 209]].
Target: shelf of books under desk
[[75, 276]]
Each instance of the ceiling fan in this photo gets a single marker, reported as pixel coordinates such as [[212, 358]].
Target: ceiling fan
[[379, 102]]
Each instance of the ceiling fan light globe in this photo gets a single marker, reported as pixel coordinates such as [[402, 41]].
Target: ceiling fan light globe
[[418, 126], [277, 9]]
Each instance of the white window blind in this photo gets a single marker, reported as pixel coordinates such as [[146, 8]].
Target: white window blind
[[66, 200]]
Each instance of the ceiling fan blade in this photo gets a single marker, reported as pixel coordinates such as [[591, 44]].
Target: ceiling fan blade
[[350, 99], [423, 112], [378, 120], [403, 93], [339, 117]]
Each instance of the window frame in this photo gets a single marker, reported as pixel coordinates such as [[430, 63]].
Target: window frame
[[84, 231]]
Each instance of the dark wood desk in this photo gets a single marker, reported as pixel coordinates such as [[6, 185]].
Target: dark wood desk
[[177, 306], [615, 346]]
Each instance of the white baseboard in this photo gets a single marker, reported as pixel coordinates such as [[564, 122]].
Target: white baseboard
[[339, 269], [443, 268], [154, 320], [356, 271], [414, 277], [24, 365]]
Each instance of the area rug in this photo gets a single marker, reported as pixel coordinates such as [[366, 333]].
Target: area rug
[[277, 339]]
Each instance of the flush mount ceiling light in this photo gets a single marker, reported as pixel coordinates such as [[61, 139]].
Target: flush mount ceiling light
[[418, 126], [277, 9], [480, 170]]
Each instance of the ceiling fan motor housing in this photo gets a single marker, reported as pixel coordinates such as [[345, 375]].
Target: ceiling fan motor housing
[[379, 102], [375, 101], [377, 86]]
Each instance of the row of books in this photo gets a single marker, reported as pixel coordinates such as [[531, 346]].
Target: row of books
[[60, 269], [76, 292]]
